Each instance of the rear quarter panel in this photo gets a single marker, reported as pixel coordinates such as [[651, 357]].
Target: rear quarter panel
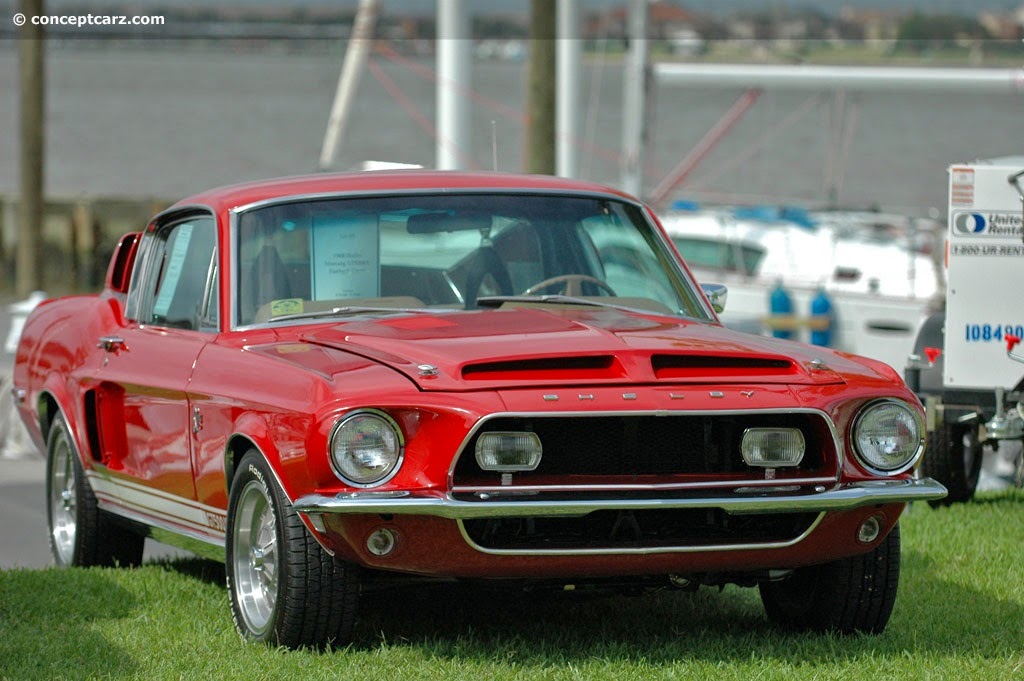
[[57, 355]]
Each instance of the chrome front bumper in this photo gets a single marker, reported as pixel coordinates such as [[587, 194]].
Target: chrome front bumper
[[440, 504]]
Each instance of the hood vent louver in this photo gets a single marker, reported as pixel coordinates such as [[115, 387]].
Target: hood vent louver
[[692, 366], [591, 367]]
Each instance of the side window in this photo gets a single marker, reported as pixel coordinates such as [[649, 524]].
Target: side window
[[175, 284]]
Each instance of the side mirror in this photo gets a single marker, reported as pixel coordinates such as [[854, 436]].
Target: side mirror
[[119, 272], [717, 294]]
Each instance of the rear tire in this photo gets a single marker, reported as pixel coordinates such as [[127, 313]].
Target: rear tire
[[284, 588], [846, 596], [954, 458], [81, 535]]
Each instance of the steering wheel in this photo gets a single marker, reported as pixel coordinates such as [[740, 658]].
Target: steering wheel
[[486, 271], [573, 284]]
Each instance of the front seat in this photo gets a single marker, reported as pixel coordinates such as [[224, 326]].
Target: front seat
[[266, 280]]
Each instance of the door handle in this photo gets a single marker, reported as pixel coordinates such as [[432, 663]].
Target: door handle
[[111, 343]]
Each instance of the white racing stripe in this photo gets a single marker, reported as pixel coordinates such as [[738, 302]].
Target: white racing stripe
[[158, 508]]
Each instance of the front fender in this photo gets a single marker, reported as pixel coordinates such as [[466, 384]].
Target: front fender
[[253, 432], [250, 432], [281, 439]]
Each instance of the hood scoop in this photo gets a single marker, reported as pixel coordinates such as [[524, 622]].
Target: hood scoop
[[571, 368], [682, 367]]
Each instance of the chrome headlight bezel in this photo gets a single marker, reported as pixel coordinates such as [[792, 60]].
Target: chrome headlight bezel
[[875, 461], [391, 434]]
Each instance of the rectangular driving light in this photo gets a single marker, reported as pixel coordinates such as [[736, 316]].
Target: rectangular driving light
[[772, 447], [508, 452]]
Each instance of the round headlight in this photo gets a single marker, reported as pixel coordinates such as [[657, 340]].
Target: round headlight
[[366, 448], [887, 436]]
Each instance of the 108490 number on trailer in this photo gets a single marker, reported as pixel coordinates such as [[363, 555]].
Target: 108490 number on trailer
[[989, 333]]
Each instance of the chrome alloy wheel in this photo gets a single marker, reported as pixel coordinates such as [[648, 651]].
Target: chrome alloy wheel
[[255, 557], [63, 501]]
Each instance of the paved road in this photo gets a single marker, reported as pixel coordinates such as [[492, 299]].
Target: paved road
[[23, 540]]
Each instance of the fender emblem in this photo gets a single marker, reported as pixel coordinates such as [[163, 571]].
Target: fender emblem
[[747, 393]]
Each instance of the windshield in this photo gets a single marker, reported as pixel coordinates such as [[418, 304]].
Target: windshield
[[444, 251]]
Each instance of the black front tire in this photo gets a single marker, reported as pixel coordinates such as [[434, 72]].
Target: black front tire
[[846, 596], [81, 535], [284, 588], [954, 458]]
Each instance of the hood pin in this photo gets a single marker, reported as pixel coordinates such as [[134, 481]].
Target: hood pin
[[428, 370]]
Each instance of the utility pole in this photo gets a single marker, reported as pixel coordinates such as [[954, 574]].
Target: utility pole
[[28, 267], [567, 85], [356, 54], [454, 76], [540, 125], [635, 96]]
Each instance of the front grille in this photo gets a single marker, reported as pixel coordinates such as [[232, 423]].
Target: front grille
[[651, 448], [654, 529]]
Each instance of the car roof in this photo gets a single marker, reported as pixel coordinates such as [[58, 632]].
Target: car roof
[[239, 195]]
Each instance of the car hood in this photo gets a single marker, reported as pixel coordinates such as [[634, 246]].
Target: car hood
[[523, 347]]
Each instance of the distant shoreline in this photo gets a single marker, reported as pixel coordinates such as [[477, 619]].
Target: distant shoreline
[[989, 53]]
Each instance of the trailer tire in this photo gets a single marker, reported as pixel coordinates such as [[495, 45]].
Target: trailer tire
[[954, 459]]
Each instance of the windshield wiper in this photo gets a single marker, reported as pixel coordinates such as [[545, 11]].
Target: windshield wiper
[[497, 301], [344, 311]]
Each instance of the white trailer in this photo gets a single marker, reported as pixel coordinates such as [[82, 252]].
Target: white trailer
[[963, 367]]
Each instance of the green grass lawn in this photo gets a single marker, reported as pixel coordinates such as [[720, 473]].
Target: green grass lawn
[[959, 615]]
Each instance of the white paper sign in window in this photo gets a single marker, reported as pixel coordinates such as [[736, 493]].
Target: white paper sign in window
[[346, 257], [175, 264]]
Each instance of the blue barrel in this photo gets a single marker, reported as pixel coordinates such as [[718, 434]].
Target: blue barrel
[[780, 305], [821, 319]]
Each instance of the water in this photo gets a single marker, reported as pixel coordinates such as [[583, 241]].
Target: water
[[167, 121]]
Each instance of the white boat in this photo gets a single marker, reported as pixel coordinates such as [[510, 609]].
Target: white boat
[[878, 283]]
